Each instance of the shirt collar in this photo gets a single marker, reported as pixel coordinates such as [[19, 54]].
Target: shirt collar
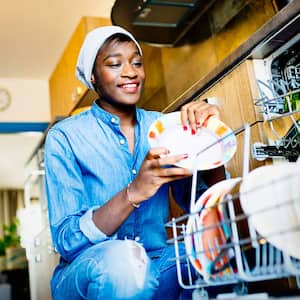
[[109, 118]]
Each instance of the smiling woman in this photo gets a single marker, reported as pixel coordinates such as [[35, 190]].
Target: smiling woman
[[113, 187]]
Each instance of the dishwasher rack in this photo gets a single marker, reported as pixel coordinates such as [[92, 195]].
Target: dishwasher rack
[[252, 258], [281, 114], [244, 255]]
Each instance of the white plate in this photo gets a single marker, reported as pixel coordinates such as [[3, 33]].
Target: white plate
[[270, 196], [168, 132], [213, 197]]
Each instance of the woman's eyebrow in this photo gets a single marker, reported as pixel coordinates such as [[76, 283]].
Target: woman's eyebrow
[[136, 53], [112, 55]]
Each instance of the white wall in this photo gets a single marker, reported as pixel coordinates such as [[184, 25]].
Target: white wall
[[30, 100]]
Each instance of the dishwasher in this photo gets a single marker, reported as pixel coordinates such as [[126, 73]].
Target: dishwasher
[[248, 257]]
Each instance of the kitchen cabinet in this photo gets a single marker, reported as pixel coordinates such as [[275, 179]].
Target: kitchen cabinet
[[42, 260], [171, 72], [65, 90], [40, 252], [236, 93], [184, 68]]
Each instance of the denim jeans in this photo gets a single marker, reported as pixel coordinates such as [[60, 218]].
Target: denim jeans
[[119, 269]]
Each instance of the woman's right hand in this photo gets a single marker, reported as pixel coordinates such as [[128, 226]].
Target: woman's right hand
[[157, 168]]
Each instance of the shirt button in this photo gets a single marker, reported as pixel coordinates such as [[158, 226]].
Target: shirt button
[[133, 171], [137, 238], [122, 142], [113, 120]]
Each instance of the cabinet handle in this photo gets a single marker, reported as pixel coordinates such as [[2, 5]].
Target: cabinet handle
[[51, 249], [38, 258], [37, 242]]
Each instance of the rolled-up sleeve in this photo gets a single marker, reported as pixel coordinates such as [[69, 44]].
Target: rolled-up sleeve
[[90, 230], [70, 217]]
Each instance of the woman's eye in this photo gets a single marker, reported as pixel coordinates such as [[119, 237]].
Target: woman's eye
[[114, 65], [137, 64]]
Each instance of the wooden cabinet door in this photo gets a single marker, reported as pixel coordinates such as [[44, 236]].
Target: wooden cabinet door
[[236, 93]]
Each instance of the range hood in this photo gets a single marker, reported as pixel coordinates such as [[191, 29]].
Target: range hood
[[159, 22]]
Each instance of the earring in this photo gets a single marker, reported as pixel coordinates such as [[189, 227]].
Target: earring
[[93, 80]]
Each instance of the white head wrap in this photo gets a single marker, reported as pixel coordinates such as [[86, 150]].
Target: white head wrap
[[91, 45]]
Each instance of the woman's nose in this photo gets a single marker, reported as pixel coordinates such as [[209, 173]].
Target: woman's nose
[[129, 71]]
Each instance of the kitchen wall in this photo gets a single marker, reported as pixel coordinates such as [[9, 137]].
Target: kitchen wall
[[29, 107], [30, 100]]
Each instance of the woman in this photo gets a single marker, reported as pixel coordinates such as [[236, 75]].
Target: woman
[[107, 191]]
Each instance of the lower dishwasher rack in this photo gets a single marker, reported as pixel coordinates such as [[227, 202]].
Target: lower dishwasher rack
[[251, 258], [243, 257]]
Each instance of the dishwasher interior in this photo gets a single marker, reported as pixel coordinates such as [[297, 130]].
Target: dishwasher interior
[[278, 80]]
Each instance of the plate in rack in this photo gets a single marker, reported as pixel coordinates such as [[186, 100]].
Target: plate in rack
[[208, 223]]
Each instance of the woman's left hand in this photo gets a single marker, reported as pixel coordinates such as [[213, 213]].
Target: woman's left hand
[[195, 113]]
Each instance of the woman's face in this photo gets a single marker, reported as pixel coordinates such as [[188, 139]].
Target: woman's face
[[119, 73]]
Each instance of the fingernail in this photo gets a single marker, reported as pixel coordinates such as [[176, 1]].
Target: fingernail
[[193, 131], [185, 128], [185, 156], [198, 124]]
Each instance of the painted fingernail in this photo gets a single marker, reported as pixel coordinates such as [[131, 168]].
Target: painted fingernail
[[193, 131], [185, 128], [198, 123], [185, 156]]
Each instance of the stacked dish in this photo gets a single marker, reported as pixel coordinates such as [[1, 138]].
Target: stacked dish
[[208, 231], [270, 196]]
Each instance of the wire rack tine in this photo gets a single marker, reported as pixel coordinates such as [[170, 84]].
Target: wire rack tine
[[246, 150], [266, 100]]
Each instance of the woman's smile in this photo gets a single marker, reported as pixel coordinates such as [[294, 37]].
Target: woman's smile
[[130, 88]]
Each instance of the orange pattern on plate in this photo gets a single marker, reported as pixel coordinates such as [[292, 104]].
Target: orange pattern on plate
[[159, 126], [152, 134], [221, 130]]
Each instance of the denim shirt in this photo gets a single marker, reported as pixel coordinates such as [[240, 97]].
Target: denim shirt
[[87, 162]]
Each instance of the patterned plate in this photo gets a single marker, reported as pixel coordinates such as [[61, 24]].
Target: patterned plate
[[208, 225], [215, 139]]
